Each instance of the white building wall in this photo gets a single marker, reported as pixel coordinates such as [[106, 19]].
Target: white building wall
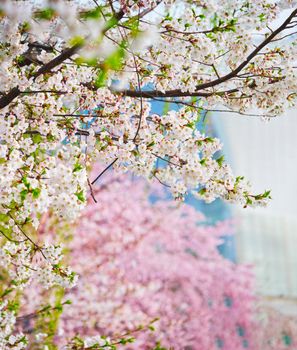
[[266, 153]]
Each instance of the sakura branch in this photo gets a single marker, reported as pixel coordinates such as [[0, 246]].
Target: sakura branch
[[77, 77]]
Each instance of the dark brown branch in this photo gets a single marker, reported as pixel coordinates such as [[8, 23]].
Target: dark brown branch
[[44, 92], [91, 191], [9, 97], [161, 182], [166, 160], [147, 11], [12, 240], [77, 132], [41, 46], [6, 99], [57, 60], [103, 171], [141, 102], [174, 93], [15, 92], [283, 37], [213, 83], [38, 312], [207, 31]]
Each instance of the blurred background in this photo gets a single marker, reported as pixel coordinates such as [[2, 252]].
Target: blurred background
[[266, 153]]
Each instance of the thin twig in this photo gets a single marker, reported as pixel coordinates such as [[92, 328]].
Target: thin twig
[[12, 240], [161, 182], [103, 171], [91, 191], [141, 101]]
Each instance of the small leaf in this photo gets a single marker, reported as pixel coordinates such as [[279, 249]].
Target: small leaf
[[77, 167], [92, 14], [202, 191], [46, 14], [77, 41], [24, 194], [220, 160], [36, 192]]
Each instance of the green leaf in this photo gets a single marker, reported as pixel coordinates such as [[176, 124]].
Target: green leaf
[[37, 138], [24, 194], [77, 167], [80, 196], [46, 308], [92, 14], [101, 78], [191, 125], [46, 14], [262, 17], [166, 107], [168, 18], [59, 307], [26, 182], [208, 139], [77, 40], [50, 137], [266, 194], [114, 61], [36, 192], [151, 144], [248, 202], [20, 59], [13, 306], [4, 218], [72, 276], [6, 292], [202, 191], [220, 160], [238, 179]]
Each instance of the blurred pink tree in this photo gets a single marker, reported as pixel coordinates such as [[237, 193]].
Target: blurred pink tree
[[138, 261]]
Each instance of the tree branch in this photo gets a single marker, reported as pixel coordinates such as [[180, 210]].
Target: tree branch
[[215, 82], [6, 99], [173, 93], [104, 170]]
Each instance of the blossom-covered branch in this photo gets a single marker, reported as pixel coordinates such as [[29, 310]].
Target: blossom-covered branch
[[78, 83]]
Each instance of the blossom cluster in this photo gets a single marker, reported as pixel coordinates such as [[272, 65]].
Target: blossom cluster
[[8, 340], [23, 264]]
